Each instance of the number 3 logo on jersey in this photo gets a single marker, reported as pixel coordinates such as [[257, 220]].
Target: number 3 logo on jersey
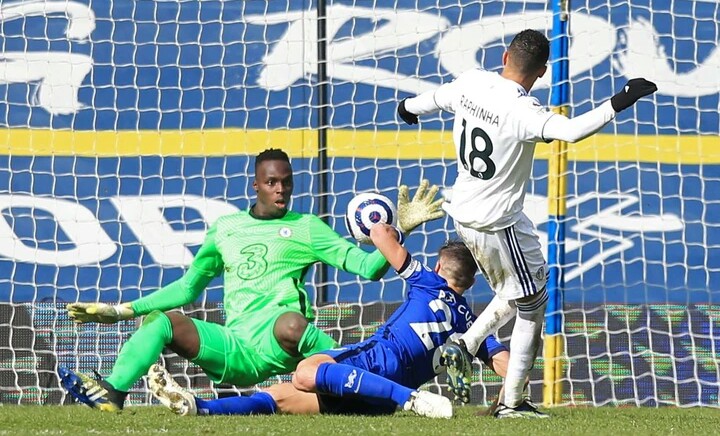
[[252, 263], [475, 159]]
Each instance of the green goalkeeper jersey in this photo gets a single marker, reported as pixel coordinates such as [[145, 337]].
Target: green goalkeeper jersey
[[264, 262]]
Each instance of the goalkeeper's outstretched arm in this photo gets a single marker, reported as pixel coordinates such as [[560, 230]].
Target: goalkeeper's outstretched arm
[[332, 249], [176, 294], [206, 266]]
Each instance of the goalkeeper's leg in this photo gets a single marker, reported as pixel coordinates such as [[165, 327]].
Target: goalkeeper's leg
[[273, 344], [137, 354]]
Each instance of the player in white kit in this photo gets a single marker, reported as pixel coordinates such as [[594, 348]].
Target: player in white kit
[[495, 129]]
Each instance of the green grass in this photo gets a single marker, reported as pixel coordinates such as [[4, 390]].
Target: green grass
[[73, 420]]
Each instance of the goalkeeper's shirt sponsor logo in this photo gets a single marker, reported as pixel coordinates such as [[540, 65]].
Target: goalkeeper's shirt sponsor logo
[[252, 263]]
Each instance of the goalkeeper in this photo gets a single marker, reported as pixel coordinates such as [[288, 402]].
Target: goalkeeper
[[264, 254]]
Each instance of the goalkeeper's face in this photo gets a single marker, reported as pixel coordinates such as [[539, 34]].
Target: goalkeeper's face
[[274, 187]]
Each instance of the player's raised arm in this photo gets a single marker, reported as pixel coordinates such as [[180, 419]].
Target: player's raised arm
[[206, 266], [580, 127], [429, 102], [387, 239], [421, 209]]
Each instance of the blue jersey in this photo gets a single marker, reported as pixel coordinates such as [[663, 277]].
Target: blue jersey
[[406, 349]]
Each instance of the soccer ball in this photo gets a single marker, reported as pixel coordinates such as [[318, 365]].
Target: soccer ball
[[365, 210]]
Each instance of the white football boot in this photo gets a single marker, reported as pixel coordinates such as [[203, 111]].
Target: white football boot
[[169, 393], [431, 405]]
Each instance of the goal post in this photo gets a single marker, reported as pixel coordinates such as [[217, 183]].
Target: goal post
[[554, 344]]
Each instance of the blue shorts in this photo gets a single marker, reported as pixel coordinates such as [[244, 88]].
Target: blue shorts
[[375, 355], [490, 347]]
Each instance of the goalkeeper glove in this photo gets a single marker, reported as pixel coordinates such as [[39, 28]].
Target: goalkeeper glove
[[421, 209], [99, 312], [408, 117], [633, 91]]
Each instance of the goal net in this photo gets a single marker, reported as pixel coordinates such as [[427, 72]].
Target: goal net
[[129, 126]]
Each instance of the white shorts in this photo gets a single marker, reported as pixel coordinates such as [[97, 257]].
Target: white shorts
[[511, 259]]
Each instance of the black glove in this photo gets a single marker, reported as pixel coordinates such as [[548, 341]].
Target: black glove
[[406, 116], [633, 91]]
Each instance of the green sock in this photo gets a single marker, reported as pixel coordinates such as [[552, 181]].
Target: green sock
[[314, 341], [141, 351]]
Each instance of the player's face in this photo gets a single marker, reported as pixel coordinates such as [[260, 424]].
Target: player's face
[[274, 187]]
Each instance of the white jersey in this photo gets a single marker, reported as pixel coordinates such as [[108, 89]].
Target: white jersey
[[495, 130]]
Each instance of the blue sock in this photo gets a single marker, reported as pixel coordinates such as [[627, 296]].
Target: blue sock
[[260, 403], [345, 380]]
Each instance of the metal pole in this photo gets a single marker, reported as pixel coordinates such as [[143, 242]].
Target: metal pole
[[322, 116], [557, 189]]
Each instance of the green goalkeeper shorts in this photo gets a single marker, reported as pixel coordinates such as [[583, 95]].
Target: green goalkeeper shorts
[[248, 356]]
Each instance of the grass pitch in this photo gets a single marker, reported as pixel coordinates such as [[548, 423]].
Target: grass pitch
[[80, 420]]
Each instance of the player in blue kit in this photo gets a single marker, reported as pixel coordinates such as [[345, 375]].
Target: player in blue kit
[[377, 375]]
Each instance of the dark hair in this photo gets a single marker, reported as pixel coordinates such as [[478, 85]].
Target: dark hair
[[271, 154], [458, 263], [529, 50]]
